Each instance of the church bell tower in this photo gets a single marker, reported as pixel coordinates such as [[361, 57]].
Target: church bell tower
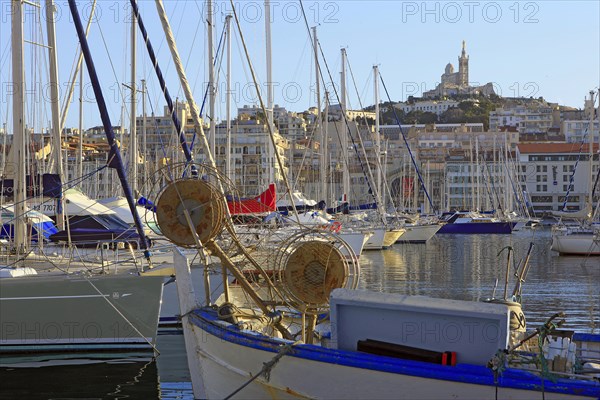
[[463, 67]]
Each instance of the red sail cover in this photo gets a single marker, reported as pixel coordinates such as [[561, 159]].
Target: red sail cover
[[263, 203]]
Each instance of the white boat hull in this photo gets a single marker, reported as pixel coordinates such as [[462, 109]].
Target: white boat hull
[[375, 242], [75, 313], [356, 240], [418, 233], [229, 359], [583, 244]]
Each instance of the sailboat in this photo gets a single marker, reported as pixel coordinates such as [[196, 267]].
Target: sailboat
[[46, 304], [583, 238]]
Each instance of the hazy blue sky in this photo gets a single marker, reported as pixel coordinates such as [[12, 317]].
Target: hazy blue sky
[[527, 48]]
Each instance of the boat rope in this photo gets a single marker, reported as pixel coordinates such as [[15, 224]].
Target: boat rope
[[267, 367]]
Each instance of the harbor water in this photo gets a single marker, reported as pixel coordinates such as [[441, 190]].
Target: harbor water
[[460, 267]]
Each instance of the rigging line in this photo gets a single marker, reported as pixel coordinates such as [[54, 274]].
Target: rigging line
[[491, 183], [160, 137], [512, 183], [204, 49], [112, 66], [596, 183], [407, 146], [295, 74], [149, 76], [367, 85], [75, 68], [239, 49], [304, 155], [312, 45], [176, 33], [192, 45], [217, 55], [572, 177], [175, 36]]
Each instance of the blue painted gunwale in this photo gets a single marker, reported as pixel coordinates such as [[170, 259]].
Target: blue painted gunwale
[[207, 320]]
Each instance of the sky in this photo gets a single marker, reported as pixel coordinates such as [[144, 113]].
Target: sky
[[526, 48]]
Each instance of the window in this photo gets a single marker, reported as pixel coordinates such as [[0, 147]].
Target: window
[[541, 199]]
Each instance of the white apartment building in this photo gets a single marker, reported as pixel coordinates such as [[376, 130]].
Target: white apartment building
[[248, 157], [548, 172], [434, 106], [577, 131], [528, 119]]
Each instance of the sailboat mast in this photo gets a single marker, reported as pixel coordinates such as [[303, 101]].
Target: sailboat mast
[[345, 133], [591, 151], [377, 136], [270, 150], [144, 131], [478, 171], [319, 121], [211, 78], [18, 77], [55, 108], [472, 175], [133, 178], [228, 171], [325, 147], [80, 144]]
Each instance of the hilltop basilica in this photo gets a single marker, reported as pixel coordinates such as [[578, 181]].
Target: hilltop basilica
[[453, 83]]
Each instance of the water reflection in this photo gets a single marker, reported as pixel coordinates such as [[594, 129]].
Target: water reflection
[[465, 267], [107, 380]]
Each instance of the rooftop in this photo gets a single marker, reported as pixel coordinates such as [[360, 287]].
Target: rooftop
[[540, 148]]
